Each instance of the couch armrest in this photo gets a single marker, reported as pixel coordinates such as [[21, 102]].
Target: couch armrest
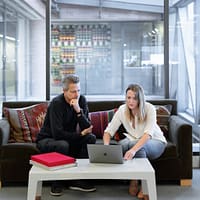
[[180, 133], [4, 131], [16, 150], [16, 156]]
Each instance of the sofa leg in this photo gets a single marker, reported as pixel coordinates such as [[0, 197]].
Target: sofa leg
[[0, 184], [186, 182]]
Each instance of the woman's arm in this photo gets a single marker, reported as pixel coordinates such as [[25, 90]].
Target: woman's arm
[[106, 138], [131, 152]]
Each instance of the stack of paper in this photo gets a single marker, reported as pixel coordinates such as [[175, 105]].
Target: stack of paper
[[53, 161]]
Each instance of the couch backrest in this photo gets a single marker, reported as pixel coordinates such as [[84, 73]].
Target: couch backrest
[[99, 119], [18, 104], [96, 105], [107, 105]]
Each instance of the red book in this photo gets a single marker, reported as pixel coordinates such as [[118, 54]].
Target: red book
[[53, 159]]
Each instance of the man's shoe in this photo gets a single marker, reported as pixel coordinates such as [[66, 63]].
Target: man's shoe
[[81, 185], [56, 191]]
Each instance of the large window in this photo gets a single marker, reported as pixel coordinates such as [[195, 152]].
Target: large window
[[106, 53], [108, 44], [184, 40], [22, 51]]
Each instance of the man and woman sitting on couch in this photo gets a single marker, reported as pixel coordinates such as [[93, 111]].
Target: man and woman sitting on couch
[[69, 110]]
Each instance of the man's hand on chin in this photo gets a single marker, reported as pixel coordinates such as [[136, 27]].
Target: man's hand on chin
[[74, 103]]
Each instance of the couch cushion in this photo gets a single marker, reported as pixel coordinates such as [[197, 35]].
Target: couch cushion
[[19, 130], [163, 113], [25, 122], [35, 117], [4, 131], [100, 120]]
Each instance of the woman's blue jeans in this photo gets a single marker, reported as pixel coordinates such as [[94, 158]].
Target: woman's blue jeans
[[151, 150]]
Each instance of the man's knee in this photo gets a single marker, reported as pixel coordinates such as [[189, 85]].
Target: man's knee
[[91, 139], [62, 146]]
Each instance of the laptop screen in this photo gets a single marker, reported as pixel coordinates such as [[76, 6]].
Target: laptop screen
[[99, 153]]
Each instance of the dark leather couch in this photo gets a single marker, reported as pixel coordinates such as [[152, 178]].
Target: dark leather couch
[[174, 165]]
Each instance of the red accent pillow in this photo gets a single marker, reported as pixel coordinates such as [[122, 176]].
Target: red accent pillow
[[100, 120]]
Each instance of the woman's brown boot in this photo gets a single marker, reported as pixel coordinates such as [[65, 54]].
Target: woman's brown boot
[[133, 188]]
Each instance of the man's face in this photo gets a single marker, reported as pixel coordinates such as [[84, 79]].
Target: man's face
[[73, 92]]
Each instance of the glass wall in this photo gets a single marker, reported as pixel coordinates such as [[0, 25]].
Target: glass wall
[[184, 45], [106, 53], [22, 51], [109, 46], [143, 56]]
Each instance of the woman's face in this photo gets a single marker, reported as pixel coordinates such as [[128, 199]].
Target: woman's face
[[131, 100]]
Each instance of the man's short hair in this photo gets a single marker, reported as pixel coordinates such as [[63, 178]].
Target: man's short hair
[[71, 78]]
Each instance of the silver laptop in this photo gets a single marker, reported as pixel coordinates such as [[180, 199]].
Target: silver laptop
[[99, 153]]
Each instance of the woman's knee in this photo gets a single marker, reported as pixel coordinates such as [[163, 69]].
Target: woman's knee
[[154, 149], [125, 145], [141, 153]]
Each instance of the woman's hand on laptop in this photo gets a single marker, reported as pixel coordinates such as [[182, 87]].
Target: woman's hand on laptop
[[87, 131], [106, 138]]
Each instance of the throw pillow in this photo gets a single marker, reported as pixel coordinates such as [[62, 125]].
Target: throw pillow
[[25, 122], [163, 113], [100, 120], [19, 129], [35, 117]]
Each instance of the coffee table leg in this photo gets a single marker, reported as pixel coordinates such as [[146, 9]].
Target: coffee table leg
[[39, 190], [144, 187], [149, 188], [34, 188], [152, 190]]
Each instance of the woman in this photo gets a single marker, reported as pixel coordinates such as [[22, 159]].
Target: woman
[[144, 138]]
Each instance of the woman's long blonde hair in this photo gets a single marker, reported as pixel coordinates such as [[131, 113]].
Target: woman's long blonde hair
[[139, 95]]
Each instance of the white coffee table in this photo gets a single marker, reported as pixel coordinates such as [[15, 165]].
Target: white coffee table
[[140, 169]]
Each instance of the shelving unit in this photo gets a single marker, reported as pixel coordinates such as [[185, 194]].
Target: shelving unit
[[79, 46], [63, 52]]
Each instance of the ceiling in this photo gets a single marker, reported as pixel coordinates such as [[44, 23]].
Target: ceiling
[[153, 6]]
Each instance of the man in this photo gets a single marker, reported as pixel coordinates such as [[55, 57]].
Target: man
[[67, 129]]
